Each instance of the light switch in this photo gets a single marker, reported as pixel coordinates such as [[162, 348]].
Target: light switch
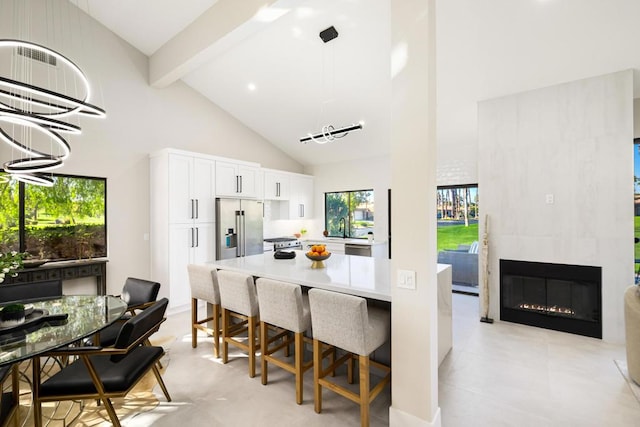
[[406, 279], [549, 199]]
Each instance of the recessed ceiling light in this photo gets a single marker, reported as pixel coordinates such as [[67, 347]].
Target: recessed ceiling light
[[251, 87]]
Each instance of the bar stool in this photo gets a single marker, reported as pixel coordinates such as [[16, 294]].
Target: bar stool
[[344, 321], [238, 298], [283, 306], [203, 281]]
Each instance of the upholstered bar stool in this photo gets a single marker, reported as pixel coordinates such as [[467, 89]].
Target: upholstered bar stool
[[282, 305], [238, 298], [203, 281], [344, 321]]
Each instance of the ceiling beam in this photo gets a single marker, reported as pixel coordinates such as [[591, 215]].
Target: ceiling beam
[[221, 26]]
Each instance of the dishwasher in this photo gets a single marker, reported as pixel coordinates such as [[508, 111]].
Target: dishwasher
[[362, 250]]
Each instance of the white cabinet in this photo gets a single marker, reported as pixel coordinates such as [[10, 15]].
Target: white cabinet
[[236, 180], [191, 189], [276, 185], [188, 244], [182, 220], [301, 199]]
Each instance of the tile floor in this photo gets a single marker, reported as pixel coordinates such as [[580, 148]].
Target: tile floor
[[496, 375]]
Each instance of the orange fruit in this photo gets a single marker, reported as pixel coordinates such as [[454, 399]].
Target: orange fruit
[[325, 253]]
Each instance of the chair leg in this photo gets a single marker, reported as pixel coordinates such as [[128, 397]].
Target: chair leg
[[216, 330], [252, 345], [194, 319], [264, 348], [350, 363], [364, 390], [299, 361], [112, 412], [225, 334], [156, 372], [317, 367]]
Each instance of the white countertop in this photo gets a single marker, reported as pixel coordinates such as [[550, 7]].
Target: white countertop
[[347, 241], [356, 275]]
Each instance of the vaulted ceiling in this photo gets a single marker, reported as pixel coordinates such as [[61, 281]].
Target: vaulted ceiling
[[264, 63]]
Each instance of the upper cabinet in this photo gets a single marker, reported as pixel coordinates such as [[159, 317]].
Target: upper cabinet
[[276, 185], [191, 189], [236, 180], [301, 197]]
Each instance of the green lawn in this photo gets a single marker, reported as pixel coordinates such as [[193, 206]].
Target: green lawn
[[449, 237]]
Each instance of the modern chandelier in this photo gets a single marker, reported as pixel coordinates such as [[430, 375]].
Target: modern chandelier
[[33, 119], [329, 132]]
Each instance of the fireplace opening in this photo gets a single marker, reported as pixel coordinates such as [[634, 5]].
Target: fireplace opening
[[562, 297]]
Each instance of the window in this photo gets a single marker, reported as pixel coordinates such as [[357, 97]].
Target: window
[[65, 221], [457, 210], [349, 213]]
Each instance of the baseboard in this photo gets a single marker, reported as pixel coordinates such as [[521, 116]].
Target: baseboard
[[398, 418]]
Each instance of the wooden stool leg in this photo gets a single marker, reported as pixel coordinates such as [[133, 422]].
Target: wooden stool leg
[[194, 319], [364, 390], [216, 330], [350, 364], [252, 346], [299, 361], [264, 348], [317, 367], [225, 334]]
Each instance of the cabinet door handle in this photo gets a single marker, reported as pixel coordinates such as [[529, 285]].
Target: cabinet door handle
[[197, 209], [277, 189], [192, 237], [241, 183], [197, 237], [191, 213], [301, 211]]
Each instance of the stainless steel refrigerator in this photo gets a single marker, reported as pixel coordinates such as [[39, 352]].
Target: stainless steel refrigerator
[[238, 228]]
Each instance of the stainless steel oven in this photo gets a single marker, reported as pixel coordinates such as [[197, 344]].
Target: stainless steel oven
[[282, 243]]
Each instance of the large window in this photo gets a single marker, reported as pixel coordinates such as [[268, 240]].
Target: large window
[[457, 208], [349, 213], [65, 221]]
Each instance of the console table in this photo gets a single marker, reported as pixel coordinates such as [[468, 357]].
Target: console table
[[66, 270]]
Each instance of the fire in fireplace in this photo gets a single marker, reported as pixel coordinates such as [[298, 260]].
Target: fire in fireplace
[[554, 296]]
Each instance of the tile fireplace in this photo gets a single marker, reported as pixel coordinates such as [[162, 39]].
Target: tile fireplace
[[562, 297]]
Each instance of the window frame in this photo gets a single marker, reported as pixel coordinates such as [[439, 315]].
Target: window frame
[[349, 214], [22, 227]]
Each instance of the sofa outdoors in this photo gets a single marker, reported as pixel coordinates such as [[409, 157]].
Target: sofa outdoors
[[464, 263]]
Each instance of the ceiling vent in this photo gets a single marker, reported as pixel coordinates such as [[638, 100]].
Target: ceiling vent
[[37, 55], [329, 34]]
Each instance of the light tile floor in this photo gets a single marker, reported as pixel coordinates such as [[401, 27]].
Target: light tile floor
[[496, 375]]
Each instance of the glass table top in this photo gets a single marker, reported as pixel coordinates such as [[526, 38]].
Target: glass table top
[[86, 315]]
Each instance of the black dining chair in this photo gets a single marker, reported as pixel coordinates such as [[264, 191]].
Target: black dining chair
[[9, 400], [104, 373], [138, 294]]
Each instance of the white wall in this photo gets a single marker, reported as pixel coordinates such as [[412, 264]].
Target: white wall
[[363, 174], [140, 120], [572, 141]]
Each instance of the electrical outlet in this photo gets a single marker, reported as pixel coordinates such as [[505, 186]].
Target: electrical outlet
[[406, 279]]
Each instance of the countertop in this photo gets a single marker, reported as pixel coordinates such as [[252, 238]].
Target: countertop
[[346, 241], [356, 275]]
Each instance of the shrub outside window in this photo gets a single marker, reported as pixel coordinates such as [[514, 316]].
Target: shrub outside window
[[349, 213], [63, 222]]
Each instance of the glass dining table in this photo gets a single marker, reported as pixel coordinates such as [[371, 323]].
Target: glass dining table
[[54, 323], [51, 324]]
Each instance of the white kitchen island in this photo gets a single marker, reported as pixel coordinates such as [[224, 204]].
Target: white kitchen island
[[350, 274], [356, 275]]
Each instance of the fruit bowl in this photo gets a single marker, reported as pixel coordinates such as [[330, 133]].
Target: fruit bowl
[[317, 259]]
